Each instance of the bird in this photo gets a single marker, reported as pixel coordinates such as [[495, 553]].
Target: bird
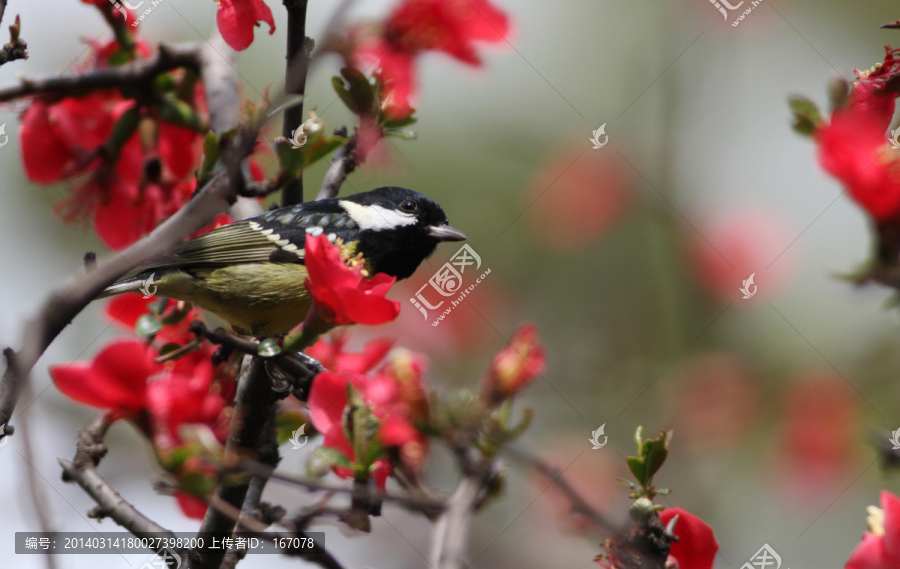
[[251, 273]]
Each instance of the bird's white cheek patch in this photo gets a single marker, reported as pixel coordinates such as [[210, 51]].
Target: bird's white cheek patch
[[377, 218]]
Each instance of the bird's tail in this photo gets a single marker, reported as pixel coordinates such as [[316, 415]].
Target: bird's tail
[[132, 284]]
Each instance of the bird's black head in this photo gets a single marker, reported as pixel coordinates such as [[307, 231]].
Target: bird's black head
[[399, 228]]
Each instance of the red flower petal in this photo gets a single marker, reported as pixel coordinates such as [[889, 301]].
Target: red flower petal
[[341, 293], [871, 554], [191, 506], [237, 18], [696, 546], [115, 380], [44, 155], [891, 506]]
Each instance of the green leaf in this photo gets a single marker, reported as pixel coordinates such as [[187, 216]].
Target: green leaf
[[636, 466], [655, 453], [164, 84], [288, 421], [178, 112], [268, 348], [806, 115], [399, 123], [637, 440], [210, 152], [519, 430], [333, 457], [147, 325], [360, 90], [124, 128], [344, 94], [295, 160]]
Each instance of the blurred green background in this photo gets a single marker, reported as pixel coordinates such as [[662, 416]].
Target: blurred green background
[[628, 257]]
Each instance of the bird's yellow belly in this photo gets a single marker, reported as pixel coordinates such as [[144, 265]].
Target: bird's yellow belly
[[255, 298]]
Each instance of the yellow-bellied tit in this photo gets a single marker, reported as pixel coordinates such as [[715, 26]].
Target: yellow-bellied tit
[[251, 273]]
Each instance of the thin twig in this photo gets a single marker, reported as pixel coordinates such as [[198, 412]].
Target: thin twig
[[343, 164], [83, 471], [170, 57], [38, 496], [63, 305], [578, 504]]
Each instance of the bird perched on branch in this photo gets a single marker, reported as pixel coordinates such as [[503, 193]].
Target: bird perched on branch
[[251, 273]]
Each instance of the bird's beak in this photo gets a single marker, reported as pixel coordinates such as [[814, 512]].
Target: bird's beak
[[446, 233]]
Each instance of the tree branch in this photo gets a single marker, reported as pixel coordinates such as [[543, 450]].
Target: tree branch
[[251, 410], [342, 165], [578, 504], [63, 305], [83, 471], [450, 540], [299, 48], [170, 57]]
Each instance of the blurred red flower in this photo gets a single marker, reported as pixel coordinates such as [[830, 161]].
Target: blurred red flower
[[725, 253], [516, 365], [718, 400], [575, 197], [327, 400], [852, 146], [124, 311], [696, 547], [415, 26], [130, 188], [329, 351], [191, 506], [880, 546], [124, 379], [341, 294], [818, 433], [237, 18], [115, 380]]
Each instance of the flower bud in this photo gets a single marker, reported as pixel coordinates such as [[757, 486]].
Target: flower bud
[[516, 365]]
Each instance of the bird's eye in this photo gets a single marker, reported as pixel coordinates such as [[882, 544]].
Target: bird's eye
[[409, 206]]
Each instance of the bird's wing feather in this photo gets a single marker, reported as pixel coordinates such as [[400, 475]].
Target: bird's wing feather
[[276, 236]]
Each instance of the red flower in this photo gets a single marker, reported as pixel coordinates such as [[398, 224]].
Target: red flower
[[880, 546], [516, 365], [182, 397], [130, 189], [451, 26], [116, 380], [237, 18], [191, 506], [330, 353], [125, 310], [340, 293], [327, 400], [852, 146], [696, 546]]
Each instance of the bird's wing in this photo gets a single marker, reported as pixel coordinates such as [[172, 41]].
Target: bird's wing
[[276, 236]]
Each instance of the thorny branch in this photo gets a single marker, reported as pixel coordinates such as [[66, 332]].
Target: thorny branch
[[16, 48]]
